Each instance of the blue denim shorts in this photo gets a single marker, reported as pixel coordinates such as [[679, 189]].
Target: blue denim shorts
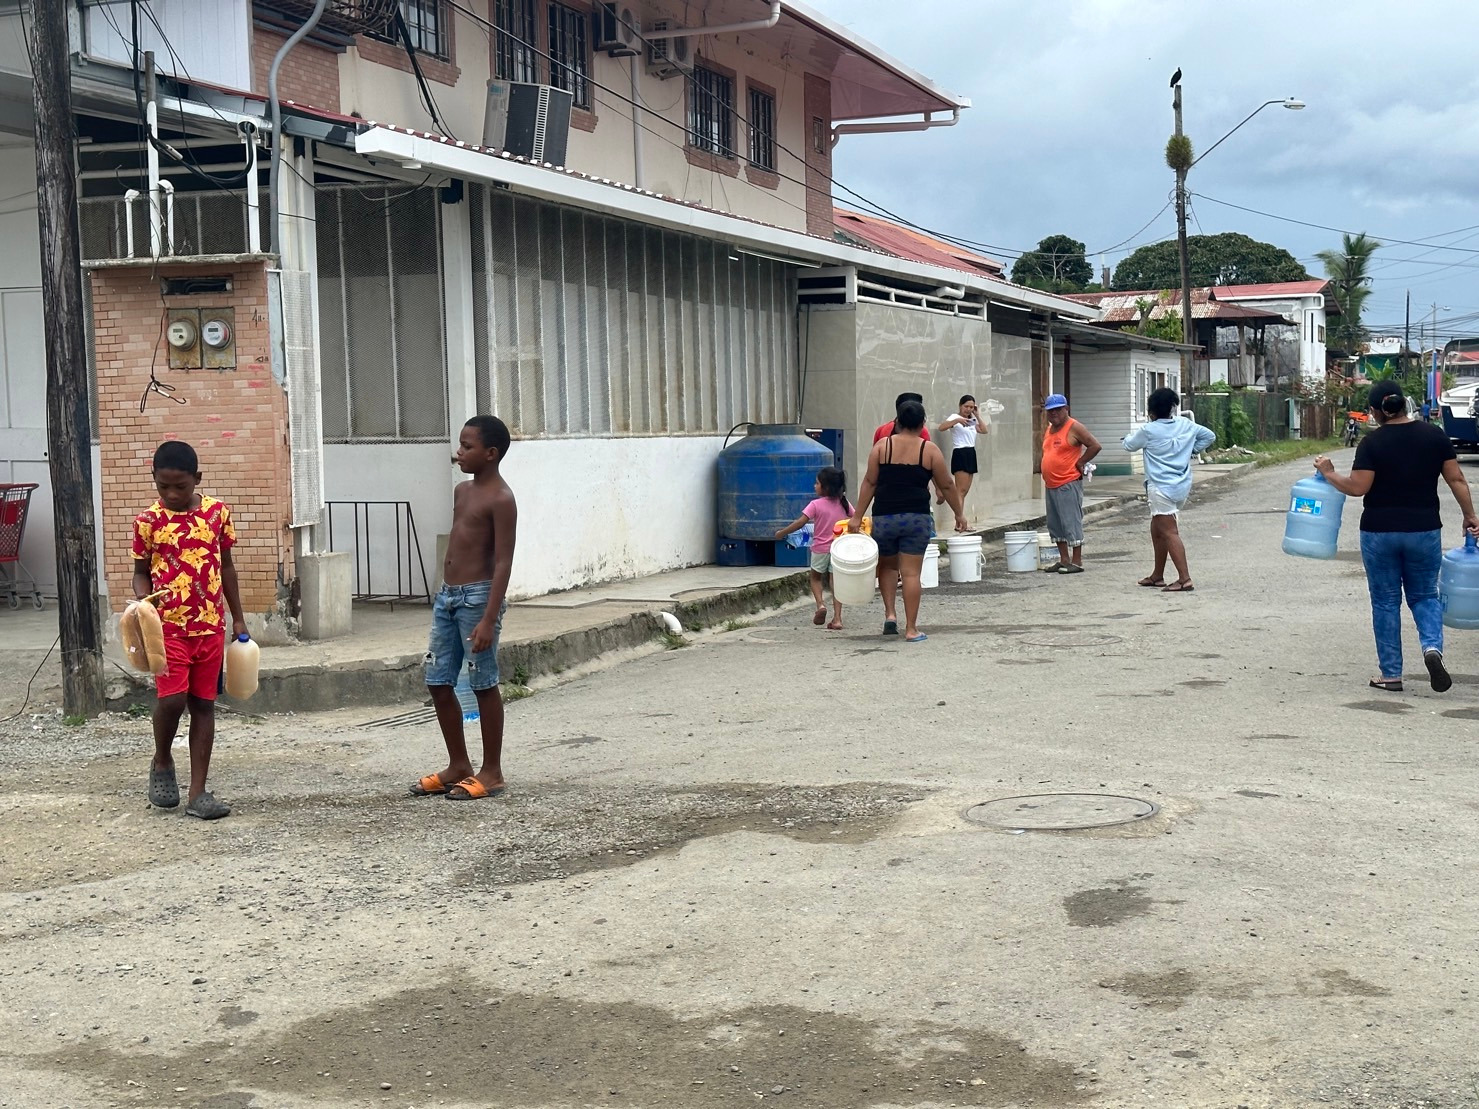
[[903, 533], [455, 612]]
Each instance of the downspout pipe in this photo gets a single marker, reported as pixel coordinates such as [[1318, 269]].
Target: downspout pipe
[[928, 123], [276, 107], [728, 28]]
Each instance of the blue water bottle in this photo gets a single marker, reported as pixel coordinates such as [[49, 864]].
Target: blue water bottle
[[1312, 525], [1458, 586]]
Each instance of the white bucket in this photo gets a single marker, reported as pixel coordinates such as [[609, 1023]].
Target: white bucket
[[929, 574], [854, 568], [1047, 550], [1021, 551], [965, 557]]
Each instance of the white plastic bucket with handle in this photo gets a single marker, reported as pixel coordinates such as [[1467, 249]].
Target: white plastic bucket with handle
[[854, 568], [1021, 551], [965, 557], [929, 573], [1047, 550]]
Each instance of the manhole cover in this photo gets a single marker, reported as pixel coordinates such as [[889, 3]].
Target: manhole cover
[[1072, 639], [1058, 812]]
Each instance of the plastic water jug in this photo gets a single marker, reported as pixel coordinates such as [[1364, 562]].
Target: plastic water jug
[[854, 568], [1312, 525], [242, 658], [1458, 586]]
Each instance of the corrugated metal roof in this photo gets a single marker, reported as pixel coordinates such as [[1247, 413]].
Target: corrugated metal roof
[[1121, 308], [1272, 289], [905, 242]]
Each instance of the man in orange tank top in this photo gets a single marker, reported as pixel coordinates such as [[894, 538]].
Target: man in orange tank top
[[1067, 447]]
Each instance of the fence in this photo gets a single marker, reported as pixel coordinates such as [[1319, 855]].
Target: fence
[[1268, 416]]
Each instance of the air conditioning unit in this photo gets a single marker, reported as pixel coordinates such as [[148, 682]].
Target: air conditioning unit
[[532, 121], [666, 57], [616, 31]]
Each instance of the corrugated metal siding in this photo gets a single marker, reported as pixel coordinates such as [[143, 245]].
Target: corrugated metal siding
[[211, 38]]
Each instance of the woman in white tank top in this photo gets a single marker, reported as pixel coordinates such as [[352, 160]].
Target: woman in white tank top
[[963, 426]]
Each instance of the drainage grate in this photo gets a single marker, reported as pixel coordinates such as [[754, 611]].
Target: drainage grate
[[1060, 812], [403, 720]]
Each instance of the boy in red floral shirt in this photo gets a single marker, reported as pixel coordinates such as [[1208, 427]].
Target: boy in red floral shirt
[[182, 546]]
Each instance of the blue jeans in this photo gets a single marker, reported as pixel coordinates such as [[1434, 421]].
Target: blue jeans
[[456, 611], [1398, 560]]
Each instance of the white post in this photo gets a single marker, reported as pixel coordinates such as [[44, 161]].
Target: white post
[[151, 121]]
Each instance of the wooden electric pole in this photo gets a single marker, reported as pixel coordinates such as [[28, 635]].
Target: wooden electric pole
[[1186, 322], [68, 424]]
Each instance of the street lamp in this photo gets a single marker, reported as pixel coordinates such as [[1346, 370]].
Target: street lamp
[[1178, 155]]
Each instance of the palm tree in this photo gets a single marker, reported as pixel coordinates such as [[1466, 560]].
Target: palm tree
[[1346, 269]]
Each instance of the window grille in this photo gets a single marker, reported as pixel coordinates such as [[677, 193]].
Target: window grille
[[587, 325], [762, 130], [427, 23], [711, 112], [383, 362], [516, 56], [569, 60]]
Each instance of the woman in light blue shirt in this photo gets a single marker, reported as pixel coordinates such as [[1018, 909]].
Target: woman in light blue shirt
[[1168, 441]]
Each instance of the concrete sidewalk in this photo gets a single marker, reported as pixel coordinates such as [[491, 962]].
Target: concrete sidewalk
[[381, 662]]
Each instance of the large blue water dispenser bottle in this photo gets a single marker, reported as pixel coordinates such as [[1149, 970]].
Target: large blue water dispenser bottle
[[1312, 524], [1458, 586]]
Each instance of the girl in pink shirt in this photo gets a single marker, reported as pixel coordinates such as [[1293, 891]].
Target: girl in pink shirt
[[824, 513]]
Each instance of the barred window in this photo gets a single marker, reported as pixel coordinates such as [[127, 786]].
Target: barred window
[[383, 363], [427, 22], [762, 130], [711, 112], [591, 325], [569, 60], [516, 51]]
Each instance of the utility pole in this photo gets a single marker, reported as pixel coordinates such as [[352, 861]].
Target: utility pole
[[1407, 326], [68, 425], [1186, 324]]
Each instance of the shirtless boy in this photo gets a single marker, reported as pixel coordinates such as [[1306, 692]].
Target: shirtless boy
[[468, 612]]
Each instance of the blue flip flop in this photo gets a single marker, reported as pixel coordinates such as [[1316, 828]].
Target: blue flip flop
[[920, 638]]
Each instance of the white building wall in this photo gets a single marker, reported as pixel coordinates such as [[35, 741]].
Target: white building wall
[[1107, 392], [589, 509], [209, 39]]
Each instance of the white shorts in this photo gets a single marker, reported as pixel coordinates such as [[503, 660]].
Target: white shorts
[[1161, 504]]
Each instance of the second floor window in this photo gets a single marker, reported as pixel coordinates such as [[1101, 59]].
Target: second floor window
[[516, 53], [428, 25], [711, 112], [569, 68], [762, 130]]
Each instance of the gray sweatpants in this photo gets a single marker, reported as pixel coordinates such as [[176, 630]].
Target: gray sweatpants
[[1066, 513]]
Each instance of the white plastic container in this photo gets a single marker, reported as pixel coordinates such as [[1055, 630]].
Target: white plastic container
[[929, 574], [242, 659], [854, 568], [965, 557], [1021, 551], [1047, 550]]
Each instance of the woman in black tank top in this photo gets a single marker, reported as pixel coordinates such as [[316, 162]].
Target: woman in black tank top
[[900, 469]]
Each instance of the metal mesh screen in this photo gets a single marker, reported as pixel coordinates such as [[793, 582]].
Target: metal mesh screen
[[205, 223], [382, 327], [305, 435]]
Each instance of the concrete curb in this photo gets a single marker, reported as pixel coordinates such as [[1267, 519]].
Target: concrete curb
[[398, 678]]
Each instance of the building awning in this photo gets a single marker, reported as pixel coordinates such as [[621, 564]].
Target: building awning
[[423, 152]]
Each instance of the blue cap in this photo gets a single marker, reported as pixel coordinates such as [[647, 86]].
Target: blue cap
[[1054, 400]]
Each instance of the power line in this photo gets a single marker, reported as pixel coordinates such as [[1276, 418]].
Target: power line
[[1385, 240]]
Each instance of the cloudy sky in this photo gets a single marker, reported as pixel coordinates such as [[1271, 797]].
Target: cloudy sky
[[1072, 111]]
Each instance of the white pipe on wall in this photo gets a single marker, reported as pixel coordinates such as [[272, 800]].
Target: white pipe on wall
[[128, 217], [925, 124], [728, 28]]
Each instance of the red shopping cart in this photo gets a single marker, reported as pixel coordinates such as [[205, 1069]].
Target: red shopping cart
[[15, 503]]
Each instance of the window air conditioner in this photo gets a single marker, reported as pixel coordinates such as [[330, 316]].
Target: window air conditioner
[[666, 57], [616, 31], [532, 121]]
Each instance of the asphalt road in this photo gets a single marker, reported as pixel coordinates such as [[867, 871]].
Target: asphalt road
[[739, 872]]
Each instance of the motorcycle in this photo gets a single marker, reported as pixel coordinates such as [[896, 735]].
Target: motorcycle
[[1352, 430]]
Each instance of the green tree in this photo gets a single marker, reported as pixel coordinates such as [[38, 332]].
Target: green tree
[[1225, 259], [1347, 269], [1167, 326], [1058, 265]]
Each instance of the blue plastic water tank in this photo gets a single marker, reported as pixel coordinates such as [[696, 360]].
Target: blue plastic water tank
[[1458, 586], [766, 479], [1312, 525]]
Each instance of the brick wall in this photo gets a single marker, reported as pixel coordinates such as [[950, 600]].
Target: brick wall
[[236, 420], [818, 155], [309, 75]]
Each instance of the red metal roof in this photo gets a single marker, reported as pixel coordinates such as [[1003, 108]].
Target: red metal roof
[[1122, 308], [1272, 289], [905, 242]]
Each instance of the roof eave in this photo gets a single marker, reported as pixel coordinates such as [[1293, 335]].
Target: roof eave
[[565, 187]]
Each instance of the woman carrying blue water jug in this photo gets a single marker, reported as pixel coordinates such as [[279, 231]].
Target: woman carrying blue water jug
[[1396, 470]]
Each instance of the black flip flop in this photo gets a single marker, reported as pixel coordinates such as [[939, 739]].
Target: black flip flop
[[1394, 686], [1437, 673], [164, 790], [890, 627]]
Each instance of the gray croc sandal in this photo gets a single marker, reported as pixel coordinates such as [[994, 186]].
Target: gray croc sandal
[[164, 791], [206, 807]]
